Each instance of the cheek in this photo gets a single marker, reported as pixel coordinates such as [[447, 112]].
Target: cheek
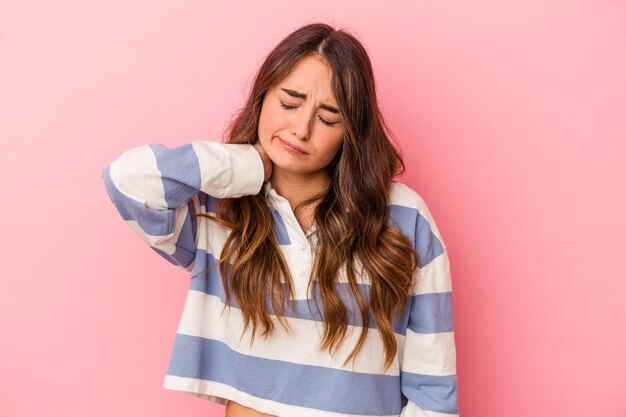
[[270, 119], [334, 144], [264, 121], [269, 124]]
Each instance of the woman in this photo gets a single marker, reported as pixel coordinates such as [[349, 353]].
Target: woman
[[298, 208]]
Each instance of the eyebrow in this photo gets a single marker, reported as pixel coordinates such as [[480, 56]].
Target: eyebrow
[[297, 94]]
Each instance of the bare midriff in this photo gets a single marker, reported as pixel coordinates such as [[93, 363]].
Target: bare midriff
[[234, 409]]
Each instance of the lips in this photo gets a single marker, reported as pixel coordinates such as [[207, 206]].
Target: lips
[[289, 145]]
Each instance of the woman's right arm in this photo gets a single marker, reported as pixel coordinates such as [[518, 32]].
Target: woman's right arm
[[155, 189]]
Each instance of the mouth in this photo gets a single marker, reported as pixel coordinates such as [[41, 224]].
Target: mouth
[[292, 148]]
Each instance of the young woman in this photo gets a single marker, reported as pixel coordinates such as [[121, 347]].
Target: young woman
[[294, 228]]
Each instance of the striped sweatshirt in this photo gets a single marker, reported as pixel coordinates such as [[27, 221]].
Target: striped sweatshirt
[[158, 190]]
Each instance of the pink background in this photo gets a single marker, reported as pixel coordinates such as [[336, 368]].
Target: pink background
[[512, 118]]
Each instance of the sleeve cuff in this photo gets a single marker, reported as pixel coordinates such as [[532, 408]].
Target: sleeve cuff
[[247, 170]]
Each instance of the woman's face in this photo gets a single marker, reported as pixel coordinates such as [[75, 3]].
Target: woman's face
[[307, 122]]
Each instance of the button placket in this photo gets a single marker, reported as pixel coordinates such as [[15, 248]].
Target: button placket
[[300, 264]]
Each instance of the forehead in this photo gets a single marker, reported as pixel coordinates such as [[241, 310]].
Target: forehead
[[312, 77]]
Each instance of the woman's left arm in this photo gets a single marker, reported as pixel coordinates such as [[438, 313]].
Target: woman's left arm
[[428, 368]]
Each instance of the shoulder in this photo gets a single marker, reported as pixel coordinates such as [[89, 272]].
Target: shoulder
[[410, 211], [400, 192], [401, 195]]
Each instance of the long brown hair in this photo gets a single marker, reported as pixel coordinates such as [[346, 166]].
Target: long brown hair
[[351, 214]]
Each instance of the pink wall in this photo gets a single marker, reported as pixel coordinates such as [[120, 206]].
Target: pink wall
[[512, 117]]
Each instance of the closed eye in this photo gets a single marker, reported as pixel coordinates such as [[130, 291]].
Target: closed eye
[[287, 107]]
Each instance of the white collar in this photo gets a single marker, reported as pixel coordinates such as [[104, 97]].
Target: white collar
[[273, 198], [267, 186]]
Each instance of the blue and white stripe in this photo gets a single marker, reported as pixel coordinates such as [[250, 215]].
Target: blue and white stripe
[[158, 190]]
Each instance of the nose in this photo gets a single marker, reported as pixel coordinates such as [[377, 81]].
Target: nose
[[302, 124]]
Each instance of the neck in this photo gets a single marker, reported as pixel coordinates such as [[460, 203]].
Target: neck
[[297, 187]]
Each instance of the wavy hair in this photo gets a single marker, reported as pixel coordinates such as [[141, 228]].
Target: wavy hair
[[350, 216]]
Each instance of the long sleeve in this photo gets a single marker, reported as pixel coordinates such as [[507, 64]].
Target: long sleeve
[[155, 189], [428, 367]]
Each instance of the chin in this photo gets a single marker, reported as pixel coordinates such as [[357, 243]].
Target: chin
[[289, 166]]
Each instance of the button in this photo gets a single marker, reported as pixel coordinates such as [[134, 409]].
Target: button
[[303, 247], [302, 273]]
